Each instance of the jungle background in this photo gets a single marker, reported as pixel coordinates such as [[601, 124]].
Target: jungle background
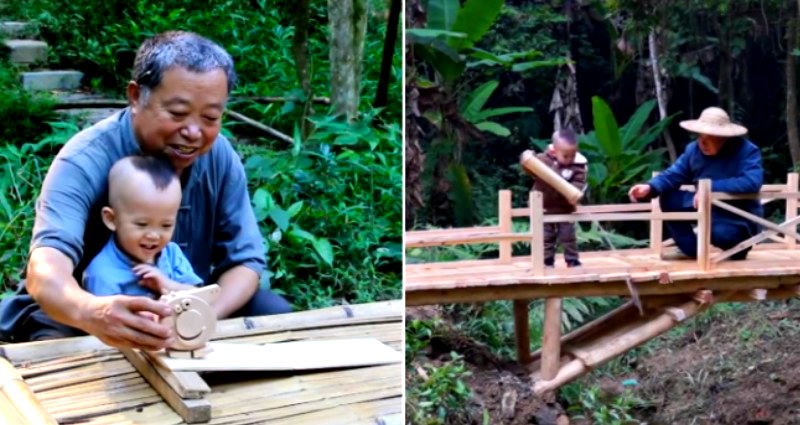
[[325, 176], [486, 80]]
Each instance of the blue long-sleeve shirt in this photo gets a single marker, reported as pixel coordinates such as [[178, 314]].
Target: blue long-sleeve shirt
[[736, 168]]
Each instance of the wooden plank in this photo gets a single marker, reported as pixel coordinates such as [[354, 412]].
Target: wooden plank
[[593, 209], [791, 206], [482, 293], [537, 231], [704, 224], [296, 355], [575, 217], [504, 219], [191, 410], [551, 339], [522, 331]]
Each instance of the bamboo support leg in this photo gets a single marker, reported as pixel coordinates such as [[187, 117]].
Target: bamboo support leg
[[551, 339], [704, 224], [504, 220], [791, 206], [522, 331]]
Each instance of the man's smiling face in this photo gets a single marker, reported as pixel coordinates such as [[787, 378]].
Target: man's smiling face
[[181, 117]]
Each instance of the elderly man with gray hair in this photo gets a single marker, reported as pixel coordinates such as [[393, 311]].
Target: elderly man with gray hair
[[180, 86]]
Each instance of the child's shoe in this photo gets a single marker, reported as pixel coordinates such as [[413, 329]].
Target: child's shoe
[[574, 263], [549, 262]]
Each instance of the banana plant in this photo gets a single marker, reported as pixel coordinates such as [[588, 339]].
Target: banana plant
[[472, 110]]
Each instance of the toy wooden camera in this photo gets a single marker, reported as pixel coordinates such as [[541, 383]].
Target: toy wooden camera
[[193, 320]]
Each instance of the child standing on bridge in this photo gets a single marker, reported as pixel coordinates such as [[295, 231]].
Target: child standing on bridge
[[139, 258], [561, 156]]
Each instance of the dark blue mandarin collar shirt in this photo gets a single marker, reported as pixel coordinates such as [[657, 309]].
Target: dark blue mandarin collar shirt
[[216, 226]]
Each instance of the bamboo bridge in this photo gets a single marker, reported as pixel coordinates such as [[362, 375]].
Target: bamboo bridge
[[661, 293]]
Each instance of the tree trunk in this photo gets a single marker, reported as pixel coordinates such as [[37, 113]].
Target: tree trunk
[[300, 51], [382, 92], [791, 87], [414, 155], [726, 96], [348, 23], [661, 95]]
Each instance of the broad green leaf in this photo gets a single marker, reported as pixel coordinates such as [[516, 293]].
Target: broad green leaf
[[324, 249], [301, 234], [597, 173], [462, 192], [260, 204], [494, 128], [295, 208], [280, 217], [485, 56], [474, 18], [297, 141], [630, 130], [442, 14], [493, 112], [605, 125], [422, 33], [476, 99], [525, 66]]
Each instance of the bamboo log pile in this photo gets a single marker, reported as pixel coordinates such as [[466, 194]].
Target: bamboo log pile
[[81, 379]]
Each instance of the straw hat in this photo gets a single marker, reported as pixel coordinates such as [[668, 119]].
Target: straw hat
[[714, 121]]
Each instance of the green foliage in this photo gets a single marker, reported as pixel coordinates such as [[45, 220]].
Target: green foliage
[[101, 38], [473, 109], [437, 399], [329, 209], [619, 156], [28, 112], [22, 170], [590, 404]]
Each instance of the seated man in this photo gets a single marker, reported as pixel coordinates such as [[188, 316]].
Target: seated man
[[731, 162], [180, 86]]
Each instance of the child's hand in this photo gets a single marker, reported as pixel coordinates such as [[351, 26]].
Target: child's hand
[[151, 278]]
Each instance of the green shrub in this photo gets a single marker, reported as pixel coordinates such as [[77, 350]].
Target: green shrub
[[330, 210], [440, 397]]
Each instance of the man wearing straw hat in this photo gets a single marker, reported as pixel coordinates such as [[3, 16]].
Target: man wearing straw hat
[[731, 162]]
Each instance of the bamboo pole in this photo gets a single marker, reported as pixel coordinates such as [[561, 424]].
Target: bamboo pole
[[522, 331], [756, 219], [21, 396], [537, 231], [546, 174], [704, 224], [504, 220], [656, 225], [551, 338], [791, 206]]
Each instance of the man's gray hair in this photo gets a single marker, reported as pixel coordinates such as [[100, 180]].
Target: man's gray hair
[[178, 49]]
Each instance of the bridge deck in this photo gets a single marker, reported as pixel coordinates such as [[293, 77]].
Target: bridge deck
[[603, 273]]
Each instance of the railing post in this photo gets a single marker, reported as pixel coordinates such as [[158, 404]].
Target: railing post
[[504, 221], [791, 206], [656, 225], [537, 231], [704, 224]]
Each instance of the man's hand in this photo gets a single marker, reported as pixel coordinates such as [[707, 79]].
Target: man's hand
[[152, 278], [123, 321], [638, 192]]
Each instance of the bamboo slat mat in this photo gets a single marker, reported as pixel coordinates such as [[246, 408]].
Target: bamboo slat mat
[[81, 380]]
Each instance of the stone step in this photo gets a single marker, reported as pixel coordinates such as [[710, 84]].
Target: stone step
[[24, 52], [51, 80], [17, 29]]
